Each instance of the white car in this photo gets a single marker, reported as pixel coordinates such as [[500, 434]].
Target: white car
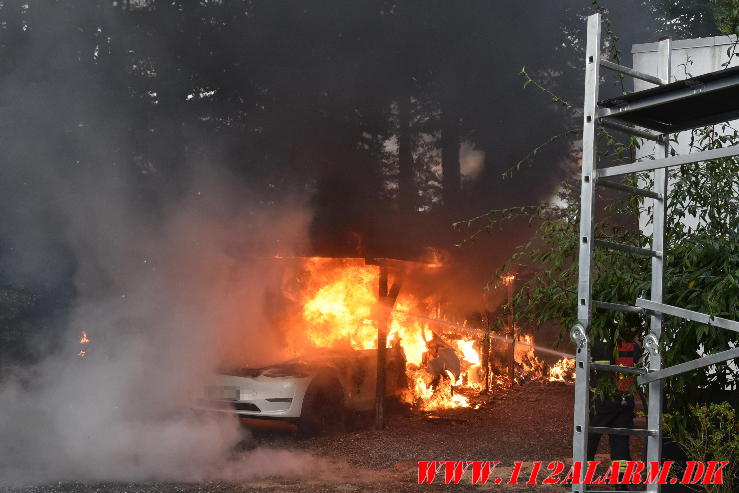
[[321, 392]]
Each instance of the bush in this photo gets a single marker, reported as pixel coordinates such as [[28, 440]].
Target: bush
[[709, 432]]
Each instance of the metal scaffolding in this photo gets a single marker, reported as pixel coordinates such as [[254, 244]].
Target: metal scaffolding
[[649, 114]]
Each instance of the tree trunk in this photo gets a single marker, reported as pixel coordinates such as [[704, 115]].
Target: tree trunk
[[381, 351], [451, 177], [406, 180]]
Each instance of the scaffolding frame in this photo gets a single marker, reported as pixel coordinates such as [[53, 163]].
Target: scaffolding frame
[[592, 176]]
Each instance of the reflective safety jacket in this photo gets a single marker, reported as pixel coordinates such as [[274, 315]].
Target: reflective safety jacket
[[628, 353]]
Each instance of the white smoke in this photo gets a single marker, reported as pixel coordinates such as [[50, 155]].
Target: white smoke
[[160, 306], [161, 263]]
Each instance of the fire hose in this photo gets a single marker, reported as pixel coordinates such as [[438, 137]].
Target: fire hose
[[479, 332]]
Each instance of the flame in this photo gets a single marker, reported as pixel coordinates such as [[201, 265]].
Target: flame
[[524, 352], [469, 353], [535, 369], [84, 339], [532, 367], [428, 398], [433, 258], [413, 336], [562, 371], [339, 307], [472, 375], [341, 310]]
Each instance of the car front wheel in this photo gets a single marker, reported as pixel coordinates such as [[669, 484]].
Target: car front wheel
[[323, 409]]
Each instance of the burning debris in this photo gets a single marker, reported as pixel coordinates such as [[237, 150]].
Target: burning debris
[[340, 304], [84, 341], [531, 368], [563, 371], [329, 311]]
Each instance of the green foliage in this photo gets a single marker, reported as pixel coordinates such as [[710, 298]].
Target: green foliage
[[726, 13], [528, 159], [702, 271], [493, 219], [683, 18], [604, 390], [527, 79], [702, 254], [710, 433]]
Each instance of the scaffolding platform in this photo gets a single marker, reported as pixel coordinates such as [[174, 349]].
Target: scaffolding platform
[[651, 114], [702, 100]]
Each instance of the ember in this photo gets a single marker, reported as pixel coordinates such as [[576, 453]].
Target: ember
[[84, 340], [339, 308], [339, 300], [562, 371], [533, 368]]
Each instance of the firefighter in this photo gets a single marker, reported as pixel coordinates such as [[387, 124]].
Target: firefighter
[[615, 410]]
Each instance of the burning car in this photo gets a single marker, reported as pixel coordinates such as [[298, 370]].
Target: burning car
[[321, 392], [328, 316]]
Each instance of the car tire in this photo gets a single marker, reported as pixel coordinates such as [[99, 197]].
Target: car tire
[[324, 411]]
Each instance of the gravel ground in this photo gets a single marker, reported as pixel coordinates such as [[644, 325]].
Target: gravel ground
[[530, 422]]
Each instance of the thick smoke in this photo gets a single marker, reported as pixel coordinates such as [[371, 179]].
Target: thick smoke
[[121, 203], [167, 278], [162, 305]]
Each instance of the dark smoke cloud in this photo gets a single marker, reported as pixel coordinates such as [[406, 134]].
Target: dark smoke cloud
[[150, 161]]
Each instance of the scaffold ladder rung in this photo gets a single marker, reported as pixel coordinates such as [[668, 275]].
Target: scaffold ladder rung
[[622, 127], [629, 189], [630, 72], [701, 362], [723, 323], [668, 162], [618, 307], [628, 248], [617, 368], [604, 430]]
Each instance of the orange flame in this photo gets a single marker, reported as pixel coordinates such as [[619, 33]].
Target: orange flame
[[562, 371], [428, 398], [84, 339], [531, 366], [340, 308]]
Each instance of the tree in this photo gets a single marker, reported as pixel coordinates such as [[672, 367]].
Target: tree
[[702, 268], [15, 305], [726, 13], [133, 100]]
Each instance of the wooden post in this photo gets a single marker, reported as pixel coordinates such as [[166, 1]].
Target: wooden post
[[511, 331], [382, 317], [486, 350]]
